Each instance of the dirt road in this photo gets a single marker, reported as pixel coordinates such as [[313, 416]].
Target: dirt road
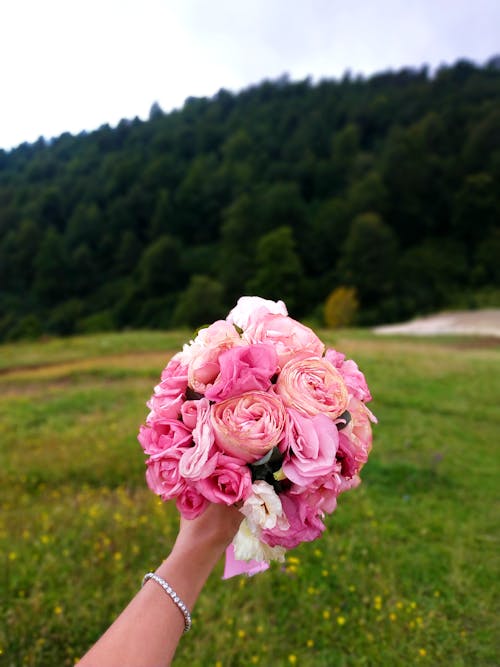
[[465, 323]]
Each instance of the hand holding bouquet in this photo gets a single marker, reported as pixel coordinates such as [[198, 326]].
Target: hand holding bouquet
[[254, 412]]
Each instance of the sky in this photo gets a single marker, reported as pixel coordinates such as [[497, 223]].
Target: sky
[[73, 65]]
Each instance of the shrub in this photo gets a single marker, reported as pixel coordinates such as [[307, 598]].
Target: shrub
[[63, 318], [341, 307], [102, 321], [200, 303], [26, 328]]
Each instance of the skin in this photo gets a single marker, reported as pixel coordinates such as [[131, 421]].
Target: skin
[[147, 632]]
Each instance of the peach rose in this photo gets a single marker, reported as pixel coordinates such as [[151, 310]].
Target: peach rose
[[313, 386], [249, 425]]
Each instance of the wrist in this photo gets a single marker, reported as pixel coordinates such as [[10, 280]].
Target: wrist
[[187, 568], [205, 548]]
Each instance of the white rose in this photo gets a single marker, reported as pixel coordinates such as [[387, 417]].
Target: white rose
[[247, 546], [246, 305], [263, 509]]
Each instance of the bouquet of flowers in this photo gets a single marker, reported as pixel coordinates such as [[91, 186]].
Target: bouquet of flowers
[[254, 412]]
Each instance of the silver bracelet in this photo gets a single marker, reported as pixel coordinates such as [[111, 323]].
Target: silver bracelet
[[172, 594]]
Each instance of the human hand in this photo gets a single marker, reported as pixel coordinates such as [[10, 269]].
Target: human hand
[[212, 530]]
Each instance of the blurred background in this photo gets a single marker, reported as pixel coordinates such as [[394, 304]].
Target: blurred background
[[159, 159]]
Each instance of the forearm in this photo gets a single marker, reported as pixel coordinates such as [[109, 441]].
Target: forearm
[[147, 632], [187, 568]]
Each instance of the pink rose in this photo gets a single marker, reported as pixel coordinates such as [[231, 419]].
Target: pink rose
[[323, 493], [163, 476], [287, 336], [353, 377], [164, 434], [355, 440], [247, 305], [313, 386], [346, 484], [191, 503], [189, 413], [219, 334], [200, 460], [305, 524], [169, 395], [248, 426], [244, 369], [204, 352], [313, 443], [229, 483]]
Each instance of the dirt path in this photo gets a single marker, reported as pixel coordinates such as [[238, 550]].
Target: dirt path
[[465, 323]]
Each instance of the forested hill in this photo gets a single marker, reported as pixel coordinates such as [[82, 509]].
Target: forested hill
[[287, 189]]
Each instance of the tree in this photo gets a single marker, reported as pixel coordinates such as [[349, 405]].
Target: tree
[[329, 229], [161, 221], [236, 252], [83, 276], [64, 317], [84, 226], [413, 173], [281, 204], [279, 273], [200, 198], [476, 208], [483, 141], [51, 208], [51, 269], [345, 146], [200, 303], [368, 258], [237, 146], [431, 273], [127, 254], [155, 111], [368, 193], [17, 251], [159, 269], [486, 260]]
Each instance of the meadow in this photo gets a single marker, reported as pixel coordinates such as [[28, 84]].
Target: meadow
[[405, 574]]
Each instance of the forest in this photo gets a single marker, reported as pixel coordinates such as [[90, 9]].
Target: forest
[[385, 185]]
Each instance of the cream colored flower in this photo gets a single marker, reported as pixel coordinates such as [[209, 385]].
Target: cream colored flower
[[263, 509], [247, 305], [247, 546]]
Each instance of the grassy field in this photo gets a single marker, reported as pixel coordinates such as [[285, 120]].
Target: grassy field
[[406, 573]]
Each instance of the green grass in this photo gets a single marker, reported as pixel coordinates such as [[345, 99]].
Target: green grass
[[406, 573]]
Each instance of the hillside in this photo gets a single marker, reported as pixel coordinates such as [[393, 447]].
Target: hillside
[[286, 189]]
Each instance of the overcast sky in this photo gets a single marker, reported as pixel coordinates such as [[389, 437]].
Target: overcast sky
[[69, 65]]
